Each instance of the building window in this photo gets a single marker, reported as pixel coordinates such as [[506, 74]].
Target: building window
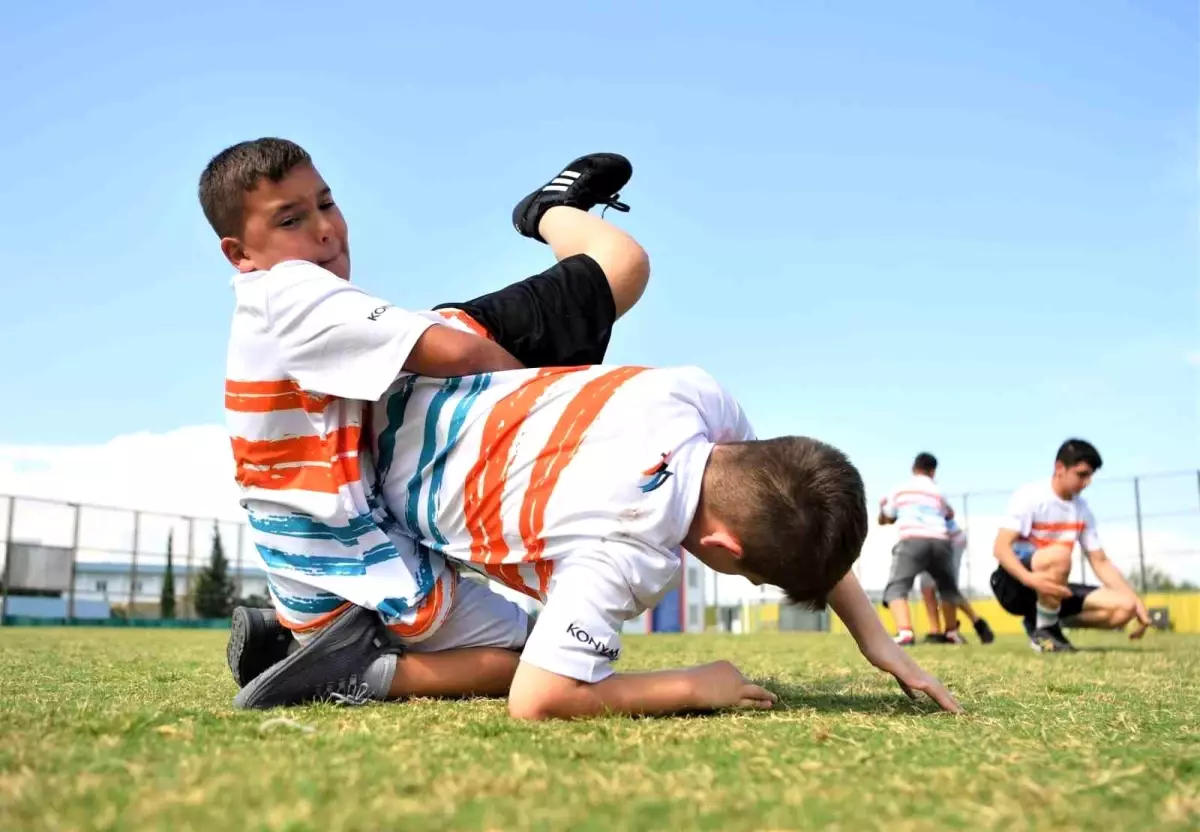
[[102, 586], [693, 578], [137, 586], [694, 615]]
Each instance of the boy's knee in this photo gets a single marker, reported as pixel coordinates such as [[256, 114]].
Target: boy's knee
[[1123, 612], [627, 266]]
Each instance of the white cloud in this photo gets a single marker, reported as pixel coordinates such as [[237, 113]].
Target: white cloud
[[187, 471]]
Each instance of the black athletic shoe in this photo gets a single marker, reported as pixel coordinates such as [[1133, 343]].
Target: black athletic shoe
[[984, 631], [1050, 640], [256, 641], [934, 638], [955, 637], [589, 181], [329, 668]]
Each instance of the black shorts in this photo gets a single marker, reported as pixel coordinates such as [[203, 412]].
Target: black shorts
[[562, 317], [1018, 599]]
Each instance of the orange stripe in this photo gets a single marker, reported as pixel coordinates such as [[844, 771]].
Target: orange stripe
[[579, 415], [316, 624], [1058, 527], [509, 574], [332, 461], [270, 404], [1043, 542], [545, 571], [467, 321], [296, 448], [484, 488], [427, 612]]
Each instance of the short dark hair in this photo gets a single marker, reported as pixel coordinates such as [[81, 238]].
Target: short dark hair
[[797, 507], [926, 462], [1074, 451], [236, 170]]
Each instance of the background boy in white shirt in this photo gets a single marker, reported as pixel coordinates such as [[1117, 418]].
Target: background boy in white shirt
[[1034, 545]]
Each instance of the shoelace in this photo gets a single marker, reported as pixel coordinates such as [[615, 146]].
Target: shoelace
[[348, 692], [614, 202]]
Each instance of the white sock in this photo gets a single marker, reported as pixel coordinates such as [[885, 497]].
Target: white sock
[[379, 675], [1045, 617]]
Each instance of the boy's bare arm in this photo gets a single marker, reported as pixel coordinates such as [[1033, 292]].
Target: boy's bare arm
[[442, 352], [540, 694], [856, 611]]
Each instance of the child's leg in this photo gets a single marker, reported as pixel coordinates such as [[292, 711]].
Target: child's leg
[[564, 316], [625, 264]]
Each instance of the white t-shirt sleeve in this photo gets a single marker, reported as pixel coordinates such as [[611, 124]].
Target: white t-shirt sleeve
[[1018, 517], [724, 419], [578, 633], [334, 338], [1089, 538]]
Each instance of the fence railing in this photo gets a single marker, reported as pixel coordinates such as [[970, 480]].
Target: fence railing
[[72, 560], [76, 560]]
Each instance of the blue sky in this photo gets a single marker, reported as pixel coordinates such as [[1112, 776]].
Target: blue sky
[[960, 227]]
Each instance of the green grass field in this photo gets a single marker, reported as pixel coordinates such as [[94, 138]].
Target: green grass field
[[103, 729]]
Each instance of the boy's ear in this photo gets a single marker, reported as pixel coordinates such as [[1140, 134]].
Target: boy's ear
[[722, 539], [235, 253]]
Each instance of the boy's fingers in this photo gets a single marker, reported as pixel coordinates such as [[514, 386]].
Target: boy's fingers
[[940, 695], [759, 694]]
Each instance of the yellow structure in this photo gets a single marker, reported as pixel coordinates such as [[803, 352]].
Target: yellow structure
[[1183, 608]]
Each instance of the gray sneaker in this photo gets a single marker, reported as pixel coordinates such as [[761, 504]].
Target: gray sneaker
[[331, 667]]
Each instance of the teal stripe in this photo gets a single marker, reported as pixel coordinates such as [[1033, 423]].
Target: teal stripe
[[461, 411], [428, 451], [397, 405]]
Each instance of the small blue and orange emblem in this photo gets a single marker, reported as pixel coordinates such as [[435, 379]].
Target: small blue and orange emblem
[[653, 478]]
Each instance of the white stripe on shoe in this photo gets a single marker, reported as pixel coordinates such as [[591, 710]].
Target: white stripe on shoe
[[555, 188]]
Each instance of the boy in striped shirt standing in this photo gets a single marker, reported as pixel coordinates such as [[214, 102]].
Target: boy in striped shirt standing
[[922, 516]]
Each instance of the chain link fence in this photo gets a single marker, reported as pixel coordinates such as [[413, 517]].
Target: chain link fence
[[72, 561]]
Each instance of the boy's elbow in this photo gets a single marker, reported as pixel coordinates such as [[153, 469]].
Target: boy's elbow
[[537, 708]]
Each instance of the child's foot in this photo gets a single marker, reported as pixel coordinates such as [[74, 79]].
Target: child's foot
[[1050, 640], [331, 667], [256, 641], [954, 637], [588, 181], [935, 638], [984, 631], [905, 638]]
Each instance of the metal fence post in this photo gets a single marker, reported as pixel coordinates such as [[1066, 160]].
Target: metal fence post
[[240, 589], [133, 564], [1137, 507], [74, 563], [188, 580], [12, 513], [967, 552]]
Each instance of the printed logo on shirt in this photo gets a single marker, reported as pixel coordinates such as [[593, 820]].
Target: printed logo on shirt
[[585, 638], [654, 477], [379, 310]]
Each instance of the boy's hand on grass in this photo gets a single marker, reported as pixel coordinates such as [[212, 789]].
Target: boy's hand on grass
[[721, 685], [912, 678], [1143, 617]]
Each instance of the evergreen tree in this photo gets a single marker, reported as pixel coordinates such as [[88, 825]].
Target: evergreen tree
[[214, 587], [166, 604]]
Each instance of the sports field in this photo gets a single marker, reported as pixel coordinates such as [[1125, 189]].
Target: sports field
[[104, 729]]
